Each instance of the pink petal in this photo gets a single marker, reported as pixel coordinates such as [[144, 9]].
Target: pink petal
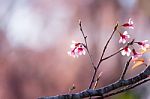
[[128, 53], [123, 41], [123, 52], [125, 33], [130, 21], [120, 40], [128, 36], [131, 27], [82, 52], [129, 50]]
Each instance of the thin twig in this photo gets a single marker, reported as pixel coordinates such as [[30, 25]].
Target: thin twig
[[86, 44], [128, 44], [104, 90], [96, 82], [125, 69], [105, 47], [101, 58], [93, 78], [112, 54]]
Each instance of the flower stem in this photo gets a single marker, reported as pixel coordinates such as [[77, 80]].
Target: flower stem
[[86, 44], [101, 58]]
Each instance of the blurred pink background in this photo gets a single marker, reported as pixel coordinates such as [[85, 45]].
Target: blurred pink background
[[35, 36]]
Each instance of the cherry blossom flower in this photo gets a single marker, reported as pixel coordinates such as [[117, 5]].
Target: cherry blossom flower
[[144, 45], [76, 49], [126, 51], [123, 37], [129, 24], [135, 55]]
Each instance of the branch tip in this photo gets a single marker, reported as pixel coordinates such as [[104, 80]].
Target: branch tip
[[116, 26]]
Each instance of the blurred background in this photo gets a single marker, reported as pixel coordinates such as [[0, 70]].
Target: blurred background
[[35, 36]]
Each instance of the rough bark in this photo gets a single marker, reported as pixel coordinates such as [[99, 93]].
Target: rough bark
[[104, 90]]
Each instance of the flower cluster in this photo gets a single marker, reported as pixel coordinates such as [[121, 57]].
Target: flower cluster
[[79, 48], [76, 49], [124, 37]]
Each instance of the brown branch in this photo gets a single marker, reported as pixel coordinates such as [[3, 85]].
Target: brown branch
[[101, 91], [128, 44], [93, 78], [96, 82], [112, 55], [101, 58], [86, 44], [125, 69], [124, 89], [105, 47]]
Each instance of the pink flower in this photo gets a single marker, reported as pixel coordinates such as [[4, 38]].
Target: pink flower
[[129, 24], [135, 55], [144, 44], [76, 49], [123, 37], [126, 51]]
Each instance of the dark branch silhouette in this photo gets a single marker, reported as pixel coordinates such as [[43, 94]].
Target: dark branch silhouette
[[101, 91]]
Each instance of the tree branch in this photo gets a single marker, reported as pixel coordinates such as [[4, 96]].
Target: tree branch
[[126, 88], [101, 91], [101, 58], [86, 44], [112, 55], [125, 69]]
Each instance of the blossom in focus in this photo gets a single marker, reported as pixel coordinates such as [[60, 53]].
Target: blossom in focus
[[144, 45], [126, 51], [123, 37], [129, 24], [135, 55], [76, 49]]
